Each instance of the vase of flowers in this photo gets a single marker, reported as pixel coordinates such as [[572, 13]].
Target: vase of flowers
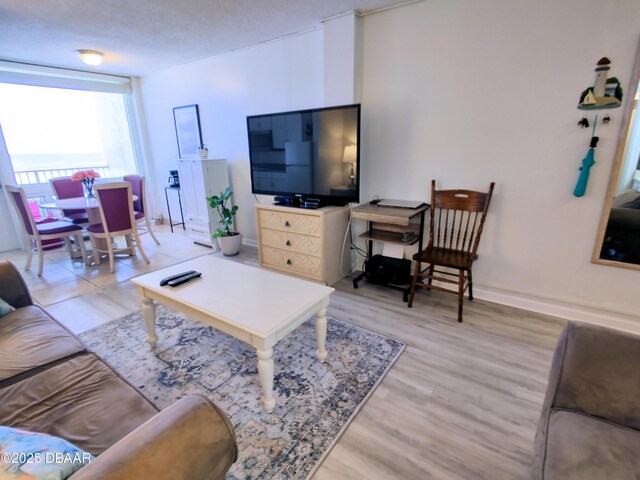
[[88, 178]]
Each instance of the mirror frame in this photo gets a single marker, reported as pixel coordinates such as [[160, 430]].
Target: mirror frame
[[615, 169]]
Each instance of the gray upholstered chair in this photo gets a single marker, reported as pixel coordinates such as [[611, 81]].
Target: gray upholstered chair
[[590, 423]]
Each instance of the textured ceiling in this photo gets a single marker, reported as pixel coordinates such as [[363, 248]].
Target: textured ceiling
[[142, 36]]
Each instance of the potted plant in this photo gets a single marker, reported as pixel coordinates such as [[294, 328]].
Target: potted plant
[[228, 240], [203, 151]]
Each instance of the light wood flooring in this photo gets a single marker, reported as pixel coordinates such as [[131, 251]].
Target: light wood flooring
[[462, 401]]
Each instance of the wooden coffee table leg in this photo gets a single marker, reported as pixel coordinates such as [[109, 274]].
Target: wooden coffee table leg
[[149, 315], [321, 334], [265, 373]]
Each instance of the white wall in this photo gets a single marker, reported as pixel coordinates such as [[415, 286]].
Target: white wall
[[467, 92], [458, 90], [278, 76], [342, 53]]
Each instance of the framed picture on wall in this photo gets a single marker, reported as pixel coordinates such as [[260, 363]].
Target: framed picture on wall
[[188, 134]]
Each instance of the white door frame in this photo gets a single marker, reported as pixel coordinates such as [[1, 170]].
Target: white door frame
[[11, 239]]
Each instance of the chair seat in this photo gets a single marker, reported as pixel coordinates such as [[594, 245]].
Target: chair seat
[[138, 215], [96, 228], [446, 258], [57, 227], [77, 218]]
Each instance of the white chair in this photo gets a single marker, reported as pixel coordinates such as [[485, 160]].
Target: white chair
[[115, 203], [34, 233]]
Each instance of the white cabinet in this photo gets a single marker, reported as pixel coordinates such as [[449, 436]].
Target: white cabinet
[[200, 179], [305, 243]]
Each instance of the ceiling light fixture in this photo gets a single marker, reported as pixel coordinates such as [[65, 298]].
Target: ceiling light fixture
[[90, 57]]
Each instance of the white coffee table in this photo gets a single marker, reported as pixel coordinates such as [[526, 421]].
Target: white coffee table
[[254, 305]]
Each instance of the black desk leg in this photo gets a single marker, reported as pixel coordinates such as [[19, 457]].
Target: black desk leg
[[363, 274], [421, 230], [166, 197], [407, 291], [181, 214]]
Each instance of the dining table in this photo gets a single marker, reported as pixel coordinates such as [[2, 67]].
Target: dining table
[[81, 203]]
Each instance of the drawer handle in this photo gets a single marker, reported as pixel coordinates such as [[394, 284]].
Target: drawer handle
[[286, 223], [289, 262], [288, 244]]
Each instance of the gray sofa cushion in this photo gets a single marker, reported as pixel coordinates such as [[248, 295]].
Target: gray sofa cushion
[[29, 340], [599, 374], [581, 447], [81, 400]]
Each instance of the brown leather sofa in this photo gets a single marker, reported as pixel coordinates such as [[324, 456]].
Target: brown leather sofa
[[51, 383], [590, 423]]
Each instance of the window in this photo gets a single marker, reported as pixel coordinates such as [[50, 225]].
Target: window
[[53, 132]]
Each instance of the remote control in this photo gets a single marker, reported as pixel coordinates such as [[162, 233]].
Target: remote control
[[164, 281], [185, 278]]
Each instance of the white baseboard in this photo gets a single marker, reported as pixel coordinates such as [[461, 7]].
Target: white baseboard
[[556, 308], [250, 242]]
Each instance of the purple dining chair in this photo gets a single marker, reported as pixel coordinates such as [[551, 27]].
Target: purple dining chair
[[139, 213], [64, 187], [115, 203], [35, 233]]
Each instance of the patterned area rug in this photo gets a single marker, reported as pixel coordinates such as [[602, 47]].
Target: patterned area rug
[[315, 401]]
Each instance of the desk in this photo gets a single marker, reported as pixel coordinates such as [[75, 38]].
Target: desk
[[389, 225], [166, 197]]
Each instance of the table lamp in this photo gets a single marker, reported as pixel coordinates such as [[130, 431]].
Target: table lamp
[[350, 156]]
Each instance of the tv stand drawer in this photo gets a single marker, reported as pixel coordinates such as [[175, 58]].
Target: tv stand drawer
[[292, 242], [297, 263], [290, 222]]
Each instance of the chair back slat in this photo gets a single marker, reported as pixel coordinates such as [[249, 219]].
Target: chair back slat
[[19, 198], [116, 206], [457, 218]]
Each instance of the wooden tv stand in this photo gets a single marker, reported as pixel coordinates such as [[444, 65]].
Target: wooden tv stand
[[309, 244]]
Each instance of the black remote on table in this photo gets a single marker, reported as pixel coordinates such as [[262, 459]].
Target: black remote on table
[[185, 278], [164, 281]]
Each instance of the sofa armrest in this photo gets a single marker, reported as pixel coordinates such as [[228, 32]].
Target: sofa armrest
[[191, 439], [594, 372], [598, 374], [13, 290]]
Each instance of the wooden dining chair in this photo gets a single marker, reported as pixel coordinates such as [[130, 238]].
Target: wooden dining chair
[[139, 206], [64, 187], [456, 221], [35, 233], [115, 203]]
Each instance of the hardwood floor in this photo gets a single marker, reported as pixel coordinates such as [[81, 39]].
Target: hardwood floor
[[462, 401]]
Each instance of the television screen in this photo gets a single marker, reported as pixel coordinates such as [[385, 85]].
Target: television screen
[[307, 154]]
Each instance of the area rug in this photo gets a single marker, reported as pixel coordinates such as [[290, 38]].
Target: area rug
[[314, 401]]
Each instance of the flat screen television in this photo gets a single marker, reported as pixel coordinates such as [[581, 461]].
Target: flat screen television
[[306, 158]]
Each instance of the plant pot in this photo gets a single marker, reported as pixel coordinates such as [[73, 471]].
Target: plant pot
[[230, 245]]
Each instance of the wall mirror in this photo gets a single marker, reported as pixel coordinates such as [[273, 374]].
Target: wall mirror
[[618, 240]]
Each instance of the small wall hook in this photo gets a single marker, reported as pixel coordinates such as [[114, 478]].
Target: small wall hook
[[584, 123]]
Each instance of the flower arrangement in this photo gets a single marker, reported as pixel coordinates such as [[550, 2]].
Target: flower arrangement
[[87, 177]]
